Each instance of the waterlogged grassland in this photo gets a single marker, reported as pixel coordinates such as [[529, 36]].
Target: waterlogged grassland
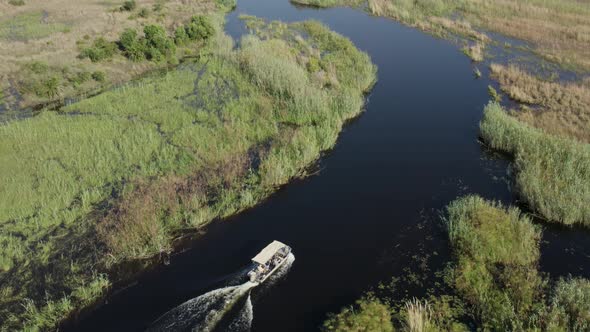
[[558, 30], [494, 280], [552, 173], [118, 176], [559, 109]]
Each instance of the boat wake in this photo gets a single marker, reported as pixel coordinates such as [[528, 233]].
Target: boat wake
[[208, 312]]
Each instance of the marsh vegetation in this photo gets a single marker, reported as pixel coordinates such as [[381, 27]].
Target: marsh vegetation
[[494, 280], [119, 176], [552, 173]]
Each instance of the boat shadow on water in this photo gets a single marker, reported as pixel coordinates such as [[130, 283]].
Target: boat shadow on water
[[227, 308]]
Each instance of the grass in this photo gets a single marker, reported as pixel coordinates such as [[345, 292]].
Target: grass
[[496, 251], [552, 173], [475, 52], [558, 108], [117, 177], [30, 25], [56, 31]]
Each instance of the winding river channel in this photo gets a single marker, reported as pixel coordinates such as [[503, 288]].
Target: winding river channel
[[372, 210]]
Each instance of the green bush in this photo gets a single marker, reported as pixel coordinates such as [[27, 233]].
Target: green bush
[[158, 44], [100, 50], [127, 38], [132, 47], [129, 5], [180, 36], [99, 76], [200, 28], [155, 46]]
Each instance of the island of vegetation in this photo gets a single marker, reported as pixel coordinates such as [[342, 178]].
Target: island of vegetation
[[493, 282], [116, 178]]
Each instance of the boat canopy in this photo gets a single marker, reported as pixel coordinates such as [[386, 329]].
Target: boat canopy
[[266, 254]]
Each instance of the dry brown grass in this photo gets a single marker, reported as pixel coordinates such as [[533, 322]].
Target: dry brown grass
[[560, 108], [90, 19], [142, 221], [558, 29]]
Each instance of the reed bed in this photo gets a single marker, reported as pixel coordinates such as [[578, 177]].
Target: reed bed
[[492, 284], [561, 109], [552, 173]]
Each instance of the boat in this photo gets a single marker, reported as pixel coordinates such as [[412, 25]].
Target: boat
[[268, 260]]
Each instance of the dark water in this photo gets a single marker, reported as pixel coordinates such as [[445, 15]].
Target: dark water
[[372, 212]]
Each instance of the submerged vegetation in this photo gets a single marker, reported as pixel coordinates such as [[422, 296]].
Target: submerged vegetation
[[119, 176], [495, 278]]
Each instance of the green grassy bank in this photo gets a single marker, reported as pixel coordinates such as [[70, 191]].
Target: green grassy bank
[[552, 173], [494, 278], [117, 177]]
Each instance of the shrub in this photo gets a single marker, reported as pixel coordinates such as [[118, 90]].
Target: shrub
[[180, 36], [158, 43], [100, 50], [200, 28], [132, 47], [127, 39], [129, 5], [99, 76]]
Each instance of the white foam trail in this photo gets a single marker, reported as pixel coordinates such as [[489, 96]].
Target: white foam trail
[[204, 312], [243, 321]]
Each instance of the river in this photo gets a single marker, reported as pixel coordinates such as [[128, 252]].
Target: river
[[372, 211]]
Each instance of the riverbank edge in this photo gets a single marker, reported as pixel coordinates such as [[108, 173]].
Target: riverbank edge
[[145, 264]]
